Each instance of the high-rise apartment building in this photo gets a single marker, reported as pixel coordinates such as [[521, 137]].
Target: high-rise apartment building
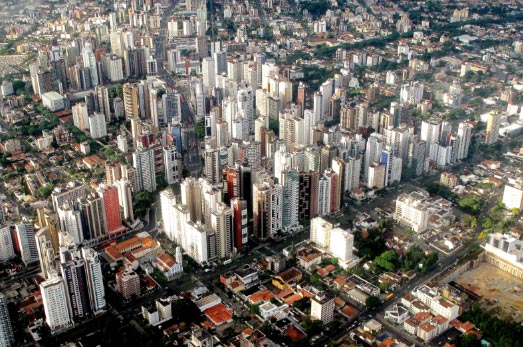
[[111, 204], [241, 223], [128, 284], [6, 243], [171, 164], [291, 191], [222, 225], [72, 268], [46, 253], [411, 211], [92, 210], [55, 301], [125, 198], [26, 242], [192, 197], [143, 160], [464, 137], [89, 60], [493, 123], [7, 337], [95, 284]]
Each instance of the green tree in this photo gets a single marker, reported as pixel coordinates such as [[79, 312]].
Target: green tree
[[470, 203], [372, 301], [143, 201], [45, 191], [487, 223]]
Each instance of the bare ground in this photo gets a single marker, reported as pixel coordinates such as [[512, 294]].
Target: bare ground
[[497, 288]]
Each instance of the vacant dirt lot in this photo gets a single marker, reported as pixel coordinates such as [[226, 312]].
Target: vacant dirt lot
[[494, 284]]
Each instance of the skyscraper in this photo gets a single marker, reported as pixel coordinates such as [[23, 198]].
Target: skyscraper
[[46, 253], [7, 337], [291, 190], [192, 197], [125, 198], [72, 268], [95, 285], [222, 224], [6, 243], [71, 223], [373, 151], [167, 202], [89, 60], [171, 164], [25, 237], [92, 212], [493, 123], [112, 217], [464, 136], [241, 222], [55, 301], [143, 160]]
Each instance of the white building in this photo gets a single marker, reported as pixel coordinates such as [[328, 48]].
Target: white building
[[161, 312], [464, 136], [320, 232], [222, 224], [89, 60], [196, 242], [25, 236], [53, 101], [170, 162], [411, 211], [80, 116], [97, 126], [513, 197], [322, 308], [55, 301], [341, 244], [125, 198], [168, 265], [95, 284], [143, 160], [438, 305], [167, 203]]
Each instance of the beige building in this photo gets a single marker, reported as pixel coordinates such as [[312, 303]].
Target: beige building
[[411, 211]]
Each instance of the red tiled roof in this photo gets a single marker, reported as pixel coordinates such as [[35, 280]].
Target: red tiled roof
[[294, 333], [293, 298], [262, 295], [218, 314]]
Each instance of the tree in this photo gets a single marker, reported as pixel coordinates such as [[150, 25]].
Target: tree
[[471, 204], [372, 301], [387, 260], [143, 200], [45, 191], [487, 223]]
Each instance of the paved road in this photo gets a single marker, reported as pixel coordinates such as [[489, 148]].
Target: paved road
[[190, 142]]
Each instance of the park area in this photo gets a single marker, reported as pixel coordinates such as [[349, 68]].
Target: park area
[[497, 288]]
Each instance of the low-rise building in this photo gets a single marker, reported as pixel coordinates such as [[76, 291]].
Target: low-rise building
[[286, 279]]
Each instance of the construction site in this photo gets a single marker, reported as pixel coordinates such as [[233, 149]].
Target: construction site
[[497, 288]]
